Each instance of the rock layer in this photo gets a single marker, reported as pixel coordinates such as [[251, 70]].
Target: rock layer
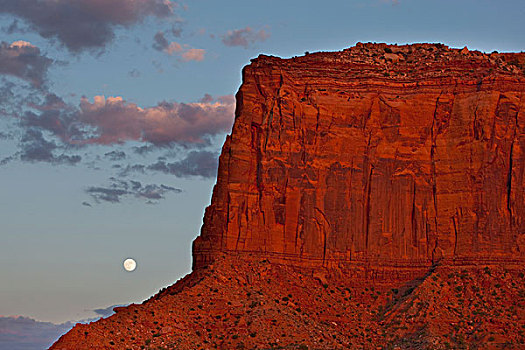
[[380, 155]]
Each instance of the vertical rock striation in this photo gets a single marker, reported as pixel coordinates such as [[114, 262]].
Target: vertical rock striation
[[378, 155]]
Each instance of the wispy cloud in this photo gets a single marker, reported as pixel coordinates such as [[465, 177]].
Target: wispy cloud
[[160, 43], [119, 189], [108, 311], [84, 24], [25, 333], [194, 55], [135, 168], [115, 155], [22, 333], [36, 148], [196, 163], [244, 37], [15, 27]]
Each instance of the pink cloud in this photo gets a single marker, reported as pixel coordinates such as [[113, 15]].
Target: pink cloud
[[193, 55], [20, 44], [244, 37], [115, 120], [172, 48]]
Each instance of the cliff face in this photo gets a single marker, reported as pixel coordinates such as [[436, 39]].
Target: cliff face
[[384, 155]]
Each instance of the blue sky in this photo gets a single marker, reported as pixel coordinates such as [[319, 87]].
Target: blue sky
[[88, 181]]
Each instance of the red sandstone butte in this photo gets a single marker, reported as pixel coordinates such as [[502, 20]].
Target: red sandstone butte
[[380, 155], [370, 198]]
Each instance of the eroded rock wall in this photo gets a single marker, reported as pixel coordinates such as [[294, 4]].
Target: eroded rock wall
[[381, 155]]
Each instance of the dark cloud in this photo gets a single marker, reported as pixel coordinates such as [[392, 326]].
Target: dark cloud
[[135, 185], [244, 37], [25, 61], [23, 333], [15, 27], [36, 148], [136, 168], [15, 97], [111, 195], [9, 159], [196, 163], [176, 31], [55, 116], [84, 24], [115, 155], [107, 311], [119, 189], [7, 95], [160, 42], [145, 149], [155, 191], [206, 99], [4, 135], [51, 102]]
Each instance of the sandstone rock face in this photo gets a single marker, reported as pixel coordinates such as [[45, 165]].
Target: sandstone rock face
[[377, 155]]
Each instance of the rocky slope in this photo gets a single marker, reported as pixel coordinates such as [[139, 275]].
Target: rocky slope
[[240, 303], [369, 198]]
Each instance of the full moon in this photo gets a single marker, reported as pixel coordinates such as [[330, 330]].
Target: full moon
[[130, 264]]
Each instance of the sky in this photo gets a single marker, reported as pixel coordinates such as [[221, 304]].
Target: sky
[[113, 113]]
